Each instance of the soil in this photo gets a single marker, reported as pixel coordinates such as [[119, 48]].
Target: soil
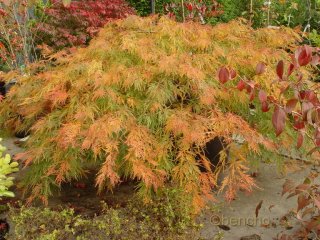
[[277, 213]]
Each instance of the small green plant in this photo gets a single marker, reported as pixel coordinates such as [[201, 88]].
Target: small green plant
[[164, 218], [6, 167], [314, 37]]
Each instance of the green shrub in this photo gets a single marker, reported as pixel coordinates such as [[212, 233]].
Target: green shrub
[[288, 13], [296, 13], [233, 9], [168, 217], [143, 7], [314, 37]]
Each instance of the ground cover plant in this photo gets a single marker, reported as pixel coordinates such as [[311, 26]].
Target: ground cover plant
[[146, 113], [167, 218]]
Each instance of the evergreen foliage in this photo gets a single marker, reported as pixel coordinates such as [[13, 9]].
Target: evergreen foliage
[[143, 7], [140, 102], [6, 167], [168, 217]]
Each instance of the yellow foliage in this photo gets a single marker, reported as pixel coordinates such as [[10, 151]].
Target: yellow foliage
[[141, 101]]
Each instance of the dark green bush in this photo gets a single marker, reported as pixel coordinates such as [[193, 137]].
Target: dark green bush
[[143, 7]]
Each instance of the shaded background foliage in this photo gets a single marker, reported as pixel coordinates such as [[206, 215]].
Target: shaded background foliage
[[143, 7], [282, 12]]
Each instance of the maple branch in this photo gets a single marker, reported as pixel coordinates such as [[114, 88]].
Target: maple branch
[[183, 13]]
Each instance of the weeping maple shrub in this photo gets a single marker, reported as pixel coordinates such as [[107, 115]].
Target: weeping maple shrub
[[140, 102]]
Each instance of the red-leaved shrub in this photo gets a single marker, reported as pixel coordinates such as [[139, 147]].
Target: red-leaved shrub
[[77, 23]]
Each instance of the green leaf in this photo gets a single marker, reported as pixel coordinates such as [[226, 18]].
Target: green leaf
[[6, 194]]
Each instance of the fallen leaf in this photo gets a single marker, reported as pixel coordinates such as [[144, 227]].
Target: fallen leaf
[[258, 208], [271, 206], [287, 186]]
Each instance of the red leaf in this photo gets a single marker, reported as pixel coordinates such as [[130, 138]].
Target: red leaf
[[303, 201], [252, 94], [265, 106], [280, 68], [2, 12], [250, 87], [305, 55], [301, 188], [302, 94], [260, 68], [233, 73], [241, 85], [262, 96], [311, 96], [298, 125], [279, 120], [291, 104], [189, 6], [271, 99], [290, 69], [224, 75], [300, 140], [314, 99]]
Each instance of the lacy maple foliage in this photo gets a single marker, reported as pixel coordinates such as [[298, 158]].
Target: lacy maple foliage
[[140, 102]]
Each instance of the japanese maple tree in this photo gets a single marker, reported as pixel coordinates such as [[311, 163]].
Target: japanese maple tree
[[74, 23]]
